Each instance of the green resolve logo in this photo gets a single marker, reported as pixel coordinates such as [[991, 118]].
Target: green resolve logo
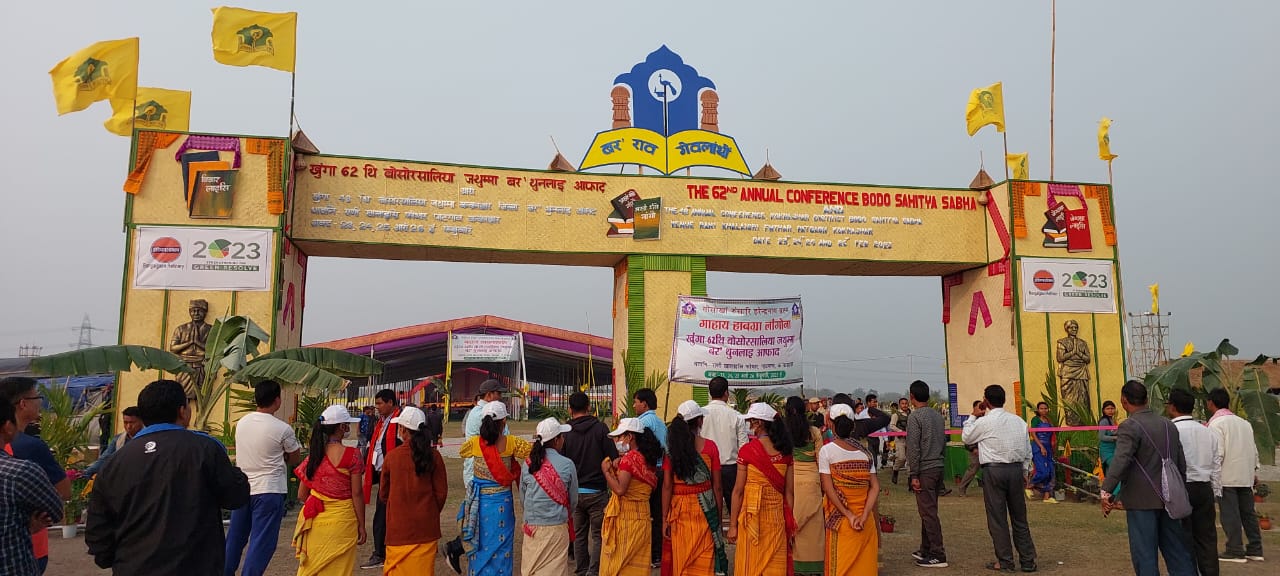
[[219, 249]]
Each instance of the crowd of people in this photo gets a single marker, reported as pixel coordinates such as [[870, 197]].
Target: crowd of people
[[793, 492]]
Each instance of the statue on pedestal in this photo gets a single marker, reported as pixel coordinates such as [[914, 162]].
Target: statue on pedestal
[[1073, 370], [189, 344]]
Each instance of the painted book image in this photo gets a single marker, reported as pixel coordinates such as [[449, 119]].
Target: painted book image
[[622, 218], [213, 194], [1055, 227], [648, 217]]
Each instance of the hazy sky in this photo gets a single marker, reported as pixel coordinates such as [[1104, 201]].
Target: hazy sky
[[859, 92]]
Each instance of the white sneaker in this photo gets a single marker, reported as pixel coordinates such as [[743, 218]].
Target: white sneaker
[[1254, 558]]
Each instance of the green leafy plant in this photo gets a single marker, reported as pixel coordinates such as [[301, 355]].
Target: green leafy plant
[[772, 399], [633, 368], [1247, 387], [741, 399], [108, 359], [542, 411], [63, 425]]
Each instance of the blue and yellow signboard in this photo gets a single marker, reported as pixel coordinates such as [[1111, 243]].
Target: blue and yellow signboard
[[675, 121]]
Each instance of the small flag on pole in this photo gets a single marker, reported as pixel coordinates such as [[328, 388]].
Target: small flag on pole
[[1018, 166], [247, 38], [100, 71], [1155, 298], [1104, 140], [986, 106], [1188, 350], [154, 109]]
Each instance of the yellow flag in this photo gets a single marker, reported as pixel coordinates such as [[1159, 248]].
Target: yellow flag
[[986, 106], [1104, 140], [247, 38], [1018, 166], [155, 109], [103, 70], [1155, 298], [1188, 350]]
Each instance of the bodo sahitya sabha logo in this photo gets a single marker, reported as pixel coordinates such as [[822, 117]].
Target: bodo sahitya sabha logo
[[256, 38], [91, 75], [150, 114]]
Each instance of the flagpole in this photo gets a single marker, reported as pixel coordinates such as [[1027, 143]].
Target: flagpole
[[1006, 156], [293, 89], [1053, 53]]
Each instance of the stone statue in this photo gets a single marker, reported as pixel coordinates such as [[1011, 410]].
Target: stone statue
[[1073, 370], [188, 343]]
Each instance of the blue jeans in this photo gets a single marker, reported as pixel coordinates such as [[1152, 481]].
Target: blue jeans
[[258, 525], [1151, 531]]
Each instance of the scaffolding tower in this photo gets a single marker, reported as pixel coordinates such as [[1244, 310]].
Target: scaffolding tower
[[1148, 333]]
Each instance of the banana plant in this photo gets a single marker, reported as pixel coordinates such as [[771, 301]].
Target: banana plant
[[63, 425], [1247, 387]]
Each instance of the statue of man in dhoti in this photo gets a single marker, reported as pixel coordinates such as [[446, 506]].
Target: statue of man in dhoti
[[189, 343], [1073, 371]]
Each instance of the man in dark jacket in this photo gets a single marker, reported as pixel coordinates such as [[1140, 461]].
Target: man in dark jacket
[[587, 444], [1142, 441], [435, 425], [157, 504]]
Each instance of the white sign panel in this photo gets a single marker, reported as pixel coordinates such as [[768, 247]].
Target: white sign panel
[[1065, 285], [185, 258], [484, 348], [749, 342]]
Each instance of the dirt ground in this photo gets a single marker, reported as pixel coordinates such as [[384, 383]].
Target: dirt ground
[[1070, 538]]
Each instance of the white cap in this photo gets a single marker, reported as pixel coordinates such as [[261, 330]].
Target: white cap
[[760, 411], [495, 410], [550, 428], [690, 410], [410, 417], [625, 425], [337, 414], [838, 410]]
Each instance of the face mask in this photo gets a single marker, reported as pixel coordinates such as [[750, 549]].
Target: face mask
[[622, 447]]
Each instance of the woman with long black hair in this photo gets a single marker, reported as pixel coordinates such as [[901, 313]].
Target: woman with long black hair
[[849, 482], [806, 440], [332, 491], [692, 543], [414, 486], [549, 490], [489, 518], [627, 530], [763, 497]]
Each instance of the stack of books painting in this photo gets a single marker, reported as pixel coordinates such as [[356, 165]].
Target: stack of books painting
[[622, 220]]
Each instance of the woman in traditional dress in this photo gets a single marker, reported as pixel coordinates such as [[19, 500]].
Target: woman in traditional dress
[[806, 440], [1042, 454], [692, 542], [332, 520], [489, 516], [627, 532], [761, 522], [414, 486], [849, 481], [549, 491], [1107, 438]]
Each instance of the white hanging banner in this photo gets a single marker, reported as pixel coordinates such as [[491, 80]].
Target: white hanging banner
[[1067, 285], [749, 342], [188, 258], [484, 348]]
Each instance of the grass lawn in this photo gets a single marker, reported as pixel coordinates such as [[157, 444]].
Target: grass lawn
[[1070, 538]]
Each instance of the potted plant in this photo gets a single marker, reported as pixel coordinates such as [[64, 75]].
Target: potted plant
[[1264, 521], [886, 523], [1260, 492]]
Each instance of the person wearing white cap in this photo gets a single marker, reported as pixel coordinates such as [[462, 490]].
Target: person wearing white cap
[[332, 477], [626, 533], [549, 491], [763, 497], [848, 472], [691, 507], [488, 514], [414, 486]]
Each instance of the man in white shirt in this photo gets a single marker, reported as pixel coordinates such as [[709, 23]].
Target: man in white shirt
[[1004, 451], [266, 449], [725, 427], [1239, 466], [1204, 480]]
